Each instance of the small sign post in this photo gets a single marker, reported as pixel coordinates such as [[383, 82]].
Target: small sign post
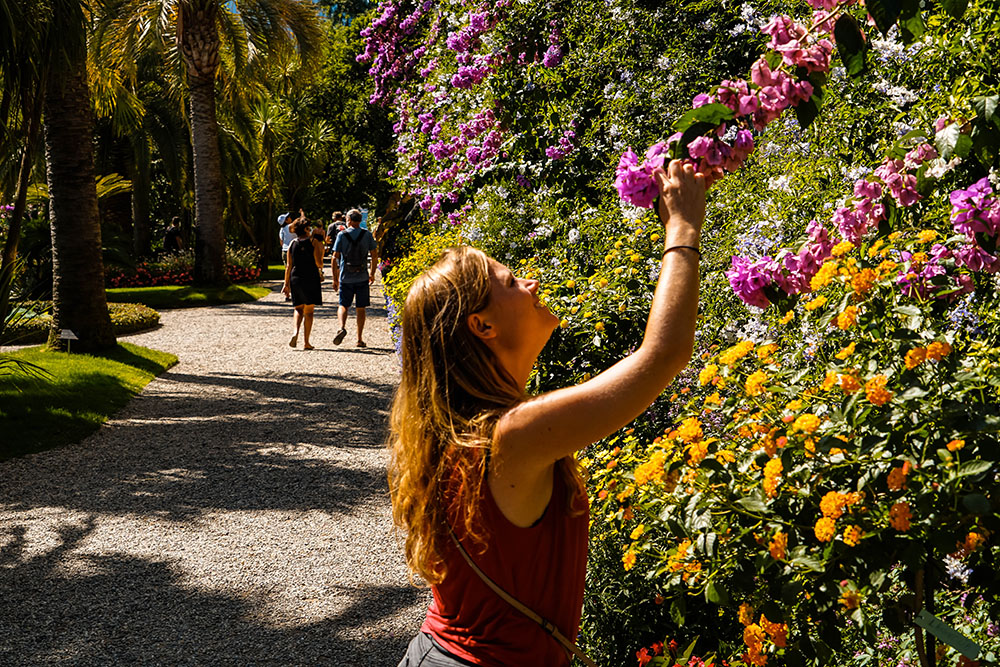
[[68, 336]]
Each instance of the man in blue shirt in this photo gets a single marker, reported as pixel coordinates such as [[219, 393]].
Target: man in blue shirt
[[351, 250]]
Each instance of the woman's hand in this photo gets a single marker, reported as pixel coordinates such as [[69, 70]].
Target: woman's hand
[[286, 290], [681, 202]]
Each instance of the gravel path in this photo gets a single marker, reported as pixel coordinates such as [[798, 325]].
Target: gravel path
[[235, 513]]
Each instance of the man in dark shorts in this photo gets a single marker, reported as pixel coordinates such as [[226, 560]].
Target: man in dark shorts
[[351, 250]]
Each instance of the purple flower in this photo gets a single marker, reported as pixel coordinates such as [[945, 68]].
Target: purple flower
[[553, 56], [976, 209], [634, 184], [976, 259], [748, 278]]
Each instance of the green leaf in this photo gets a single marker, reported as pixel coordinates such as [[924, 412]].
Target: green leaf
[[683, 658], [851, 44], [884, 12], [970, 468], [807, 112], [913, 392], [713, 114], [947, 140], [809, 562], [718, 594], [911, 26], [986, 107], [752, 504], [678, 610], [977, 503], [955, 7]]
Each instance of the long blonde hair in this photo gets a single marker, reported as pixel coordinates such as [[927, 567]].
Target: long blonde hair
[[452, 392]]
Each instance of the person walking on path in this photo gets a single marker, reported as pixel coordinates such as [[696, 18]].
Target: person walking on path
[[337, 225], [285, 233], [351, 250], [285, 236], [303, 275], [173, 241], [482, 477]]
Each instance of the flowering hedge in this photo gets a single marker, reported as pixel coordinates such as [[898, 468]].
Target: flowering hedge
[[177, 269], [827, 468]]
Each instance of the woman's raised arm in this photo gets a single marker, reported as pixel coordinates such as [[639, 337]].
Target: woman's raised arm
[[535, 434]]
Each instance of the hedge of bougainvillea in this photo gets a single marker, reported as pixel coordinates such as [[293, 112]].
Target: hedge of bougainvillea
[[825, 471], [178, 269]]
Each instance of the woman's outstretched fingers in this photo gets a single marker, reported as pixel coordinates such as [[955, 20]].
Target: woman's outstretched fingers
[[685, 193], [662, 180]]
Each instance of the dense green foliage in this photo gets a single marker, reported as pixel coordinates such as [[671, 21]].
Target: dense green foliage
[[687, 522]]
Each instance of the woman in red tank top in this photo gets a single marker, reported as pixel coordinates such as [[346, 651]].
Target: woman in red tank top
[[477, 462]]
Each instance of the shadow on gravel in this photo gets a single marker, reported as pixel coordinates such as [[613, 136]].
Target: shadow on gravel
[[191, 453], [126, 610]]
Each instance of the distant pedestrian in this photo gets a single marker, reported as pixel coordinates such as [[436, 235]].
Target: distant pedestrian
[[351, 250], [285, 233], [303, 275], [336, 226], [173, 241]]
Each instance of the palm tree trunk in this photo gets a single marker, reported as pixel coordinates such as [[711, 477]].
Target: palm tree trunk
[[198, 37], [77, 269]]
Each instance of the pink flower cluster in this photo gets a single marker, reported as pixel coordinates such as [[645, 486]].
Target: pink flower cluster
[[976, 211], [634, 180], [923, 280], [553, 55], [756, 102], [896, 176], [864, 214], [388, 48], [796, 46], [475, 145], [777, 90], [563, 148], [791, 272], [714, 156]]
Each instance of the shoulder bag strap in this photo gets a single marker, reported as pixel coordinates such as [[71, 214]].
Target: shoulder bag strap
[[546, 625]]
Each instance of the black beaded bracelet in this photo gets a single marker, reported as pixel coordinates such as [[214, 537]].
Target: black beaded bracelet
[[683, 247]]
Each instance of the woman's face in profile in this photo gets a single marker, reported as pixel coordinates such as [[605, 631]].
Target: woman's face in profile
[[520, 318]]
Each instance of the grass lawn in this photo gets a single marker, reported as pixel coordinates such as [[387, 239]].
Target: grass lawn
[[273, 272], [82, 393], [181, 296]]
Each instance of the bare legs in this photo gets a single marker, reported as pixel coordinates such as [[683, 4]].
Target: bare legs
[[361, 324], [303, 320], [361, 316], [307, 316]]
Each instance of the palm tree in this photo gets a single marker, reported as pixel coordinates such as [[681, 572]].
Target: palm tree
[[78, 271], [250, 27]]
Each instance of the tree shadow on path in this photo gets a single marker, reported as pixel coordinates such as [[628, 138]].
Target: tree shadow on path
[[183, 453], [138, 611]]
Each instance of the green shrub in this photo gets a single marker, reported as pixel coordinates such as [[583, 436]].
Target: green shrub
[[125, 317]]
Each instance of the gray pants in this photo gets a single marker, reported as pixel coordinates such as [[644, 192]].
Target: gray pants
[[423, 652]]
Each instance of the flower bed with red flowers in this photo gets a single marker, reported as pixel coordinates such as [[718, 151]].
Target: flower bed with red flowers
[[178, 269]]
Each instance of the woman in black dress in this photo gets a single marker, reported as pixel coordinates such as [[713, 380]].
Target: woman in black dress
[[303, 274]]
